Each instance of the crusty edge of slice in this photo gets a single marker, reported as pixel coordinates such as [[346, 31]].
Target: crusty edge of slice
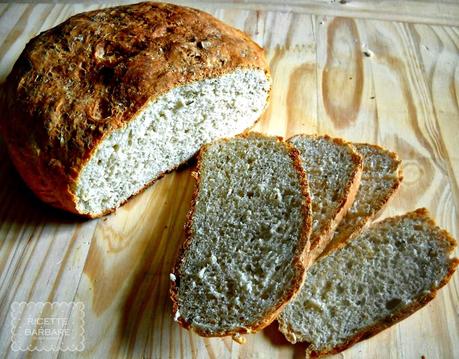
[[367, 220], [300, 259], [406, 311], [320, 240]]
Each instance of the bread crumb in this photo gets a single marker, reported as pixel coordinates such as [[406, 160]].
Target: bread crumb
[[177, 316], [238, 338], [368, 53]]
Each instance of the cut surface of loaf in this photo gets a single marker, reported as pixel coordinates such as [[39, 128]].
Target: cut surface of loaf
[[333, 168], [108, 101], [380, 180], [380, 277], [169, 132], [246, 237]]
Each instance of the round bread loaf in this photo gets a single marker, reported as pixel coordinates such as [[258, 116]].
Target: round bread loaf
[[103, 104]]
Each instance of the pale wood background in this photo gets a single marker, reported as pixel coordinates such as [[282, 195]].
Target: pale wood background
[[403, 96]]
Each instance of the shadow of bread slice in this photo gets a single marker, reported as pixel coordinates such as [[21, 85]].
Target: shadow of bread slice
[[247, 235], [382, 276], [333, 168], [381, 177], [105, 103]]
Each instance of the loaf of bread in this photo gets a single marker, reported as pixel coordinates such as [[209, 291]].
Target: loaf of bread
[[108, 101], [389, 271], [247, 233], [381, 177], [333, 168]]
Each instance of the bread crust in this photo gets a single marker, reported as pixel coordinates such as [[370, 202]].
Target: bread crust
[[321, 239], [403, 312], [300, 259], [336, 243], [76, 83]]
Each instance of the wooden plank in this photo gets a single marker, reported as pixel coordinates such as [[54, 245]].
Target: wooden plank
[[347, 105], [402, 95], [292, 57], [415, 11], [392, 108], [125, 280], [440, 12], [438, 51], [406, 123], [42, 251]]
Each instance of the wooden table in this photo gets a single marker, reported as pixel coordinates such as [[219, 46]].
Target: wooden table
[[383, 72]]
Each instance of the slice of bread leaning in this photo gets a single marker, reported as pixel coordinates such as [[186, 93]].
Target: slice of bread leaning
[[108, 101], [247, 235], [334, 169], [381, 177], [382, 276]]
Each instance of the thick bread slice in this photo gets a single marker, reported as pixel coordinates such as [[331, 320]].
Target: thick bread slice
[[105, 103], [382, 276], [334, 169], [381, 177], [246, 237]]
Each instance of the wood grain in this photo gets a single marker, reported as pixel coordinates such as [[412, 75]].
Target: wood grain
[[367, 71]]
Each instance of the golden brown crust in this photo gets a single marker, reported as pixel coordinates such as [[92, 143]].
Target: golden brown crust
[[338, 242], [77, 82], [300, 260], [406, 311], [320, 240]]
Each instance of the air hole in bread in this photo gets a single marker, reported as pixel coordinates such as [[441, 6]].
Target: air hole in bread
[[393, 303]]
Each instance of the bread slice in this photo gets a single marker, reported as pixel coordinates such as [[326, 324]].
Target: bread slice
[[382, 276], [108, 101], [334, 169], [381, 177], [246, 237]]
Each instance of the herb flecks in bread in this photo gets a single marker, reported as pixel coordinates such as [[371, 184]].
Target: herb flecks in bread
[[379, 278], [247, 237]]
